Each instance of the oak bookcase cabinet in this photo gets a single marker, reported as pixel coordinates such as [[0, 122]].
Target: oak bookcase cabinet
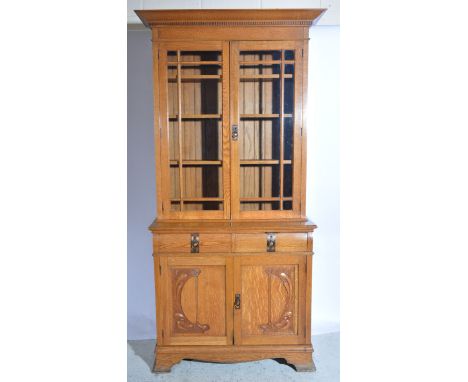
[[232, 246]]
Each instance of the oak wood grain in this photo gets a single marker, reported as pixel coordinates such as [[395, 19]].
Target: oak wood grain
[[232, 226], [265, 300], [285, 242], [298, 356], [196, 291], [212, 70], [181, 243], [235, 17]]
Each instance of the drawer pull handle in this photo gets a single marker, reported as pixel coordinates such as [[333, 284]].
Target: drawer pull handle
[[195, 243], [271, 242], [237, 301]]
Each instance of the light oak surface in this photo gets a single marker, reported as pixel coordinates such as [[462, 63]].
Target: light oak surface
[[255, 242], [233, 17], [298, 355], [232, 246], [232, 226], [272, 290], [197, 292], [255, 86], [181, 243]]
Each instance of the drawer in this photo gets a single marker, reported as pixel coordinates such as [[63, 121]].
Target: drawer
[[182, 243], [257, 242]]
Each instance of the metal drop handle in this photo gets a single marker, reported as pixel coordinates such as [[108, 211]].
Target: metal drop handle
[[195, 243], [271, 242]]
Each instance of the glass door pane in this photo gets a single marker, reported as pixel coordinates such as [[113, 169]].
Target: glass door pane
[[266, 88], [195, 130]]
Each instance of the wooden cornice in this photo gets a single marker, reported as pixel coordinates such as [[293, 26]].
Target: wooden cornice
[[230, 17]]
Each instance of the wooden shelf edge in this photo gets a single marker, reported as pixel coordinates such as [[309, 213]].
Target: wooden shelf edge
[[231, 226]]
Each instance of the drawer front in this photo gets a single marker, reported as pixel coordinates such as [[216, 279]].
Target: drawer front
[[182, 243], [257, 242]]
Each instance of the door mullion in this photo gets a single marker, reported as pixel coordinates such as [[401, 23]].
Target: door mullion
[[234, 120], [226, 143]]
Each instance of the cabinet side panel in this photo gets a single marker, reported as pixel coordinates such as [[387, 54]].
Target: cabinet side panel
[[159, 263], [157, 127], [305, 65], [308, 305]]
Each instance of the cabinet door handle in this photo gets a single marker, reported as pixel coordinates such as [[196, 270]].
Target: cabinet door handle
[[195, 243], [237, 301], [235, 132], [271, 242]]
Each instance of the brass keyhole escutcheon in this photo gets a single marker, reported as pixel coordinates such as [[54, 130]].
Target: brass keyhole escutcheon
[[237, 301]]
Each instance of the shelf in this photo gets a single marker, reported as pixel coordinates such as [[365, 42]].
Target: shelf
[[197, 162], [197, 116], [265, 62], [265, 116], [193, 63], [262, 162], [196, 77], [263, 76], [265, 199], [207, 199]]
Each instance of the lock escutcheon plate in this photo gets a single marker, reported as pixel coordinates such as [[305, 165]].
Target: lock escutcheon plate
[[235, 132]]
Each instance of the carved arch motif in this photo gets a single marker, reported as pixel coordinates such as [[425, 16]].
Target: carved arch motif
[[285, 319], [181, 323]]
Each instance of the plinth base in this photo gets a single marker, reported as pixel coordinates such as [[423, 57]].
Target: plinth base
[[297, 356]]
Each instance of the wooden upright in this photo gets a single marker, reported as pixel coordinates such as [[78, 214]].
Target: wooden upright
[[232, 246]]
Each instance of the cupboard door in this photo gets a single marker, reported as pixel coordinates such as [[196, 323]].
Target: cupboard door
[[194, 121], [270, 294], [198, 298], [266, 119]]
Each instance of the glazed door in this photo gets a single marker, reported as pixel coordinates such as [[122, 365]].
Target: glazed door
[[266, 120], [194, 130], [270, 304], [198, 298]]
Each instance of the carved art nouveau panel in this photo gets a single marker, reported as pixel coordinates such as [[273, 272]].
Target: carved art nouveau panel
[[272, 295], [197, 291]]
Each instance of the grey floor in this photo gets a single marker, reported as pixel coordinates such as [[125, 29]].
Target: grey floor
[[326, 358]]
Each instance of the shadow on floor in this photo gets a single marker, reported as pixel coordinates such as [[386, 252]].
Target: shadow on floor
[[326, 356], [145, 350]]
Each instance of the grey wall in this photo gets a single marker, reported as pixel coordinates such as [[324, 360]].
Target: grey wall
[[141, 189]]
